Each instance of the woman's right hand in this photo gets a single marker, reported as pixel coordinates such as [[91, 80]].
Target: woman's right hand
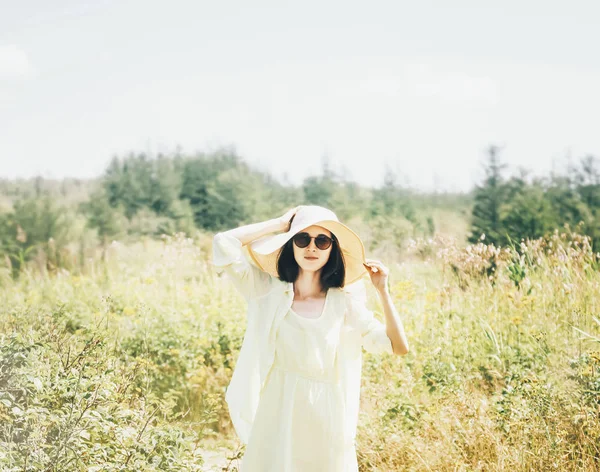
[[284, 220]]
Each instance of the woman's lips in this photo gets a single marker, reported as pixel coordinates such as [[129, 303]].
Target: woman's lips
[[311, 258]]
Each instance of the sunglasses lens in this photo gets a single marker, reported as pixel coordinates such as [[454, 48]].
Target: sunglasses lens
[[302, 240], [322, 242]]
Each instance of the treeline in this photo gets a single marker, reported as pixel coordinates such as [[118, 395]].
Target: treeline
[[142, 195], [508, 209], [220, 190]]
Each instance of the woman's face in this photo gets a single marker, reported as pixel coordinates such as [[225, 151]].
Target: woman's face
[[311, 258]]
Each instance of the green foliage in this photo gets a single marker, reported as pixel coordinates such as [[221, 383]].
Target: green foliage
[[527, 214], [517, 271], [142, 195], [210, 185], [68, 403], [163, 355], [141, 182], [488, 199], [42, 219], [391, 200], [108, 221], [126, 368], [37, 226], [523, 208]]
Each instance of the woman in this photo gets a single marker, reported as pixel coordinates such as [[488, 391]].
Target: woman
[[294, 393]]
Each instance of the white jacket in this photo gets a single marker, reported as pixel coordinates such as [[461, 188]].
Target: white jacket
[[269, 299]]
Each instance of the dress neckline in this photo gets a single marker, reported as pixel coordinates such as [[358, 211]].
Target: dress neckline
[[322, 312]]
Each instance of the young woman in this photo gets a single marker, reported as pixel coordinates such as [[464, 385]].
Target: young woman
[[294, 394]]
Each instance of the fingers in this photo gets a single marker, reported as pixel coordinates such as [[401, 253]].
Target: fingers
[[294, 210], [290, 213], [376, 266]]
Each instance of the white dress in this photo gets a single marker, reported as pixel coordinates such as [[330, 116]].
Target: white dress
[[300, 418], [278, 437]]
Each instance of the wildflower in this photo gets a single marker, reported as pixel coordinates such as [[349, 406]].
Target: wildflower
[[588, 371], [431, 296], [528, 299], [539, 336], [595, 356], [128, 311], [404, 290], [516, 320]]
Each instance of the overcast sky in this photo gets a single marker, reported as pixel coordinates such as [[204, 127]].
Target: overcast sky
[[422, 86]]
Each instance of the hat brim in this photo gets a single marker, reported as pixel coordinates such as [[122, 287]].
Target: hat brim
[[264, 251]]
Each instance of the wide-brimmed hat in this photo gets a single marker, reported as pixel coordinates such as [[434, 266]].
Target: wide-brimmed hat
[[265, 251]]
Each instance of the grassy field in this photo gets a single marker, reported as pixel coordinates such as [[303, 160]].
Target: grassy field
[[124, 366]]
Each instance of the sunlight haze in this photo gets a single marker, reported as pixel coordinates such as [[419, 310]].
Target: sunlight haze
[[422, 87]]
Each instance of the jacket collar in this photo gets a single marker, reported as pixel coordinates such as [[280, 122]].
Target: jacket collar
[[289, 287]]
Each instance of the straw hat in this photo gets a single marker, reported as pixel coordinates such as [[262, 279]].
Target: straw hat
[[265, 250]]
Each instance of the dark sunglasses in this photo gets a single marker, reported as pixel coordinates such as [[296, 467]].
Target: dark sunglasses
[[321, 241]]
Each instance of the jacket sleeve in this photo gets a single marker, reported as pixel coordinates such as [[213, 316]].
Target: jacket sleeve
[[229, 256], [372, 331]]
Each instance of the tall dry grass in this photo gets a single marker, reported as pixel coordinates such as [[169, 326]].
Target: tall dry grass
[[124, 367]]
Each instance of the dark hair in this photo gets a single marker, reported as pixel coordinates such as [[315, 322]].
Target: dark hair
[[332, 273]]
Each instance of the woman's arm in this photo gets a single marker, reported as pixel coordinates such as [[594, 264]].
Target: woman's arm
[[379, 275], [248, 233], [393, 323], [377, 337], [229, 256]]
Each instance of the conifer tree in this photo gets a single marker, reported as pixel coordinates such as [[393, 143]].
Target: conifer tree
[[488, 198]]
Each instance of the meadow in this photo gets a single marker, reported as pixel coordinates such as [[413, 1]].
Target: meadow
[[123, 366]]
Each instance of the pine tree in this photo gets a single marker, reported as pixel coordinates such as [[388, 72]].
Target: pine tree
[[528, 213], [488, 198], [587, 180]]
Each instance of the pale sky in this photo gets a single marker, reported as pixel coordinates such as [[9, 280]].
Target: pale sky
[[424, 86]]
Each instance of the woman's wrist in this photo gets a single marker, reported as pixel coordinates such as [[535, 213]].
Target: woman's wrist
[[248, 233], [278, 225], [282, 225]]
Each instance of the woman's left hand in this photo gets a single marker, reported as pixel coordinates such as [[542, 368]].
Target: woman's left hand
[[379, 274]]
